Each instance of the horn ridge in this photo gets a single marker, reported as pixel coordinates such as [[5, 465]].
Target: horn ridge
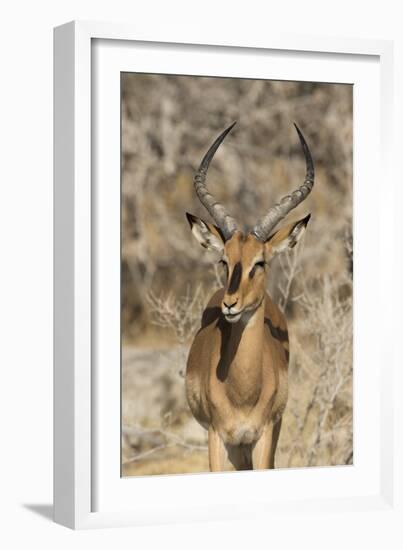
[[263, 228], [226, 223]]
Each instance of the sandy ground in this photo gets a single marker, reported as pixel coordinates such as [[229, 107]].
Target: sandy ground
[[160, 436], [155, 416]]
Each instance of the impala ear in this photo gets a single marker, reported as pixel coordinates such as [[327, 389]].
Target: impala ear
[[286, 237], [207, 234]]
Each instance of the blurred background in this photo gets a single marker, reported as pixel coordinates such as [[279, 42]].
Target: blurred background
[[168, 123]]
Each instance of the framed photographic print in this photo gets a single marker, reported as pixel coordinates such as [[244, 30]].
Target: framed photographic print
[[218, 247]]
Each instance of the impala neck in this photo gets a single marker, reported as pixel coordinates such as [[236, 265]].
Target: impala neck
[[240, 365]]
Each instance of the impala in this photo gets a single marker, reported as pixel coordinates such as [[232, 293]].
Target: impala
[[237, 369]]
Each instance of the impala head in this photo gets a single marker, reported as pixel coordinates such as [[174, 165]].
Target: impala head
[[246, 256]]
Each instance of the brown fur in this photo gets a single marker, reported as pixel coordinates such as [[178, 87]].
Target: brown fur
[[232, 380], [236, 378]]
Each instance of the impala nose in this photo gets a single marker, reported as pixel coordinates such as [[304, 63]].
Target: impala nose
[[229, 306]]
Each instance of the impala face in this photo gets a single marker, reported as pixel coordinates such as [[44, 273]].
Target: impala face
[[245, 256], [234, 388], [245, 259]]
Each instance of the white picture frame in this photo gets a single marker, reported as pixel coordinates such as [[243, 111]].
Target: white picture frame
[[88, 490]]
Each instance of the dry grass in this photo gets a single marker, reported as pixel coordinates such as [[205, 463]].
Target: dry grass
[[318, 419], [167, 278]]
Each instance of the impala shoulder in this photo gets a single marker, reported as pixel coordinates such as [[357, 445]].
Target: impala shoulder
[[216, 298], [213, 309], [275, 319]]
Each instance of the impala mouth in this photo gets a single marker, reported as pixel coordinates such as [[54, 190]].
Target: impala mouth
[[233, 317]]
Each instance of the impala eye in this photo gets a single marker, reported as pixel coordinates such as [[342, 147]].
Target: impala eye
[[225, 265], [253, 270]]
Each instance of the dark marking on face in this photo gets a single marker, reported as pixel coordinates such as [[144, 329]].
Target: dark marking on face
[[235, 278], [256, 266]]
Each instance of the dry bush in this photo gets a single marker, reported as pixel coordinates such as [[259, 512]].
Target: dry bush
[[317, 425], [180, 315], [167, 124], [318, 422]]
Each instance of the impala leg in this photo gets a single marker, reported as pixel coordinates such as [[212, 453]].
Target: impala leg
[[261, 453], [216, 451], [276, 435]]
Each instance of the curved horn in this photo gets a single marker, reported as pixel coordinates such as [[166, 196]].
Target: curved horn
[[224, 221], [263, 228]]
